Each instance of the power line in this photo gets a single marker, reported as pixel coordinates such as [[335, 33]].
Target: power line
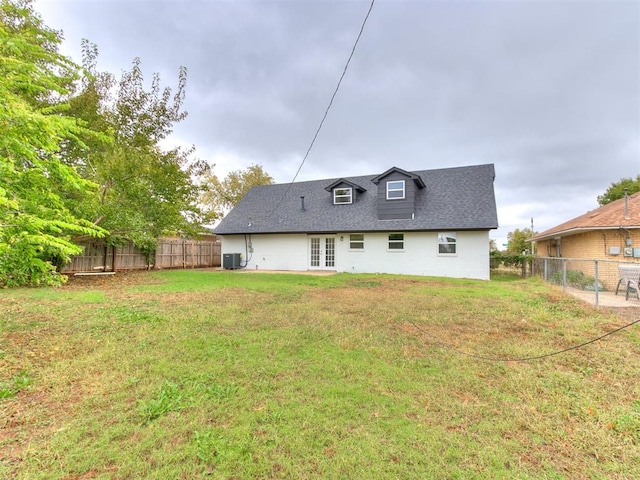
[[526, 359], [326, 112]]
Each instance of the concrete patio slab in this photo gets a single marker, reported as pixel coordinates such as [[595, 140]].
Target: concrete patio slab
[[605, 299]]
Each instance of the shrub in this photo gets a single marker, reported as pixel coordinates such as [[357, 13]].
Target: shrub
[[576, 279], [497, 259]]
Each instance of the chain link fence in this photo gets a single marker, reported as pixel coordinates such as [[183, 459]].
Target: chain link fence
[[602, 282]]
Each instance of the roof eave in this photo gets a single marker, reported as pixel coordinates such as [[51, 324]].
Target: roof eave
[[416, 178], [359, 230], [340, 181], [577, 230]]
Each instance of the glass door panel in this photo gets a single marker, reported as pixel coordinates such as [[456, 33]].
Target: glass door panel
[[315, 252], [330, 252], [322, 252]]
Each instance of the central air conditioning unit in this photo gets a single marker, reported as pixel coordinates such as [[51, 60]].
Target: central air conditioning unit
[[231, 261]]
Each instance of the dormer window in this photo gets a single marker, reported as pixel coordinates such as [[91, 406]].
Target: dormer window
[[397, 194], [344, 192], [395, 190], [342, 195]]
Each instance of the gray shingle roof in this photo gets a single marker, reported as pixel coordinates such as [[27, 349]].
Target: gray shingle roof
[[460, 198]]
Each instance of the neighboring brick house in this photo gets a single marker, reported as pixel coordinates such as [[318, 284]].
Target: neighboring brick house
[[427, 222], [611, 232]]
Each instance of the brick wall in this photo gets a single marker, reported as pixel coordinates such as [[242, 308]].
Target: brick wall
[[591, 245], [594, 245]]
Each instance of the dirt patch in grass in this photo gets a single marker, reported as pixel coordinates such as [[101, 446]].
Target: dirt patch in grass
[[118, 281], [30, 419], [628, 313]]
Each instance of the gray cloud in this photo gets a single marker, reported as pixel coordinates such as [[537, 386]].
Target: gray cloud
[[548, 91]]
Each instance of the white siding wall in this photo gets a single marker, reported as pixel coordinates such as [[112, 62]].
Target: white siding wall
[[419, 257], [270, 252]]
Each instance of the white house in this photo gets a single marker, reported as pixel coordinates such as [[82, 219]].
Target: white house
[[428, 222]]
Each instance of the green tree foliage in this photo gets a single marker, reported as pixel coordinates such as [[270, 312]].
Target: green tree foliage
[[37, 189], [146, 190], [616, 190], [518, 253], [221, 196], [518, 241]]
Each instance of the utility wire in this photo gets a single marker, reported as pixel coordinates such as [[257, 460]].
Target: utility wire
[[326, 112], [524, 359]]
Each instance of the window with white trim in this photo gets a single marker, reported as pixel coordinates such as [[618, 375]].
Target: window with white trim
[[396, 241], [395, 190], [447, 243], [356, 241], [342, 195]]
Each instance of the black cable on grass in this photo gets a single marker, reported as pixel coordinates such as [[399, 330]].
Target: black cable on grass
[[525, 359]]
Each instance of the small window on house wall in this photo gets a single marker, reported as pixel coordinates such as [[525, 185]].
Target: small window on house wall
[[342, 195], [447, 243], [396, 241], [395, 190], [356, 241]]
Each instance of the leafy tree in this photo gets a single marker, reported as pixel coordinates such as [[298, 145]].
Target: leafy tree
[[221, 196], [518, 253], [518, 241], [145, 190], [36, 187], [616, 190]]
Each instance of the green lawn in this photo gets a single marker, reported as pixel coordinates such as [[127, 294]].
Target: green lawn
[[189, 374]]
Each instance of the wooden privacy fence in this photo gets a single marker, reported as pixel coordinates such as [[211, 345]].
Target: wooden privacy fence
[[170, 253], [179, 253]]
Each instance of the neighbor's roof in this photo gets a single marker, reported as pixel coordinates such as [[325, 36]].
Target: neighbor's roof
[[609, 216], [460, 198]]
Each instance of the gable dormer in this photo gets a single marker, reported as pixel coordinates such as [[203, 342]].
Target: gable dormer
[[397, 194], [344, 192]]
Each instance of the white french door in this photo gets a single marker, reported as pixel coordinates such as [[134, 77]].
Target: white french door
[[322, 253]]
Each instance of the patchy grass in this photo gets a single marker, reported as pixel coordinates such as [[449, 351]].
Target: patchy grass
[[227, 375], [11, 387]]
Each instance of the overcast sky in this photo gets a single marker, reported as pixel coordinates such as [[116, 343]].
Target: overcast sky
[[548, 91]]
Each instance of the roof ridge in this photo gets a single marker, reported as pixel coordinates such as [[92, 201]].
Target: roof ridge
[[373, 175]]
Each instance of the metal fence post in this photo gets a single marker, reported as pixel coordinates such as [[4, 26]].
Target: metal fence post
[[546, 269], [596, 282], [564, 274]]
